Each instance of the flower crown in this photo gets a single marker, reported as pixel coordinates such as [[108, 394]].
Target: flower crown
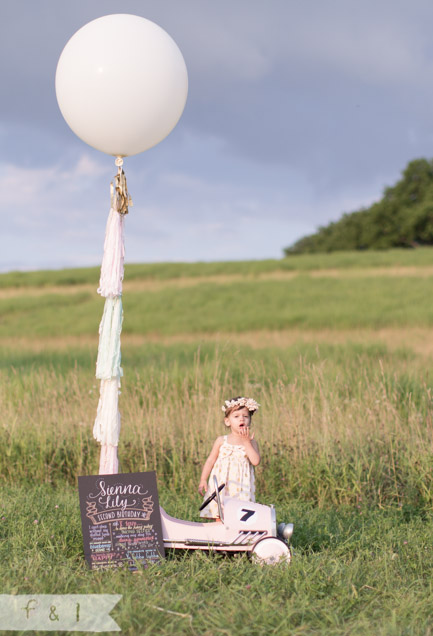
[[251, 404]]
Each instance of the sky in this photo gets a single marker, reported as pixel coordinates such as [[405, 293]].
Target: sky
[[296, 113]]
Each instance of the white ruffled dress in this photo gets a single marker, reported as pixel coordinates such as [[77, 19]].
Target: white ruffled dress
[[234, 469]]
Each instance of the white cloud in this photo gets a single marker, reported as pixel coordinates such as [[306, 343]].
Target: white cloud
[[87, 167], [25, 186], [22, 186]]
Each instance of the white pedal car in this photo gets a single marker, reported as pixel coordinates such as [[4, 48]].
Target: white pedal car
[[244, 527]]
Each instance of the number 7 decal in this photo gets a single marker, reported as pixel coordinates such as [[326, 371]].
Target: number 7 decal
[[247, 515]]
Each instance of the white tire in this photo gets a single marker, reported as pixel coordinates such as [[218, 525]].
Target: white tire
[[270, 551]]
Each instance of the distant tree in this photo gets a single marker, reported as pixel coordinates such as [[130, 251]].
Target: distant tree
[[402, 218]]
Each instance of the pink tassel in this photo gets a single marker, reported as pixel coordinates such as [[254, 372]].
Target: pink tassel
[[108, 463]]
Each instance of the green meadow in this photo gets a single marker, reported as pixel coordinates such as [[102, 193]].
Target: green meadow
[[338, 350]]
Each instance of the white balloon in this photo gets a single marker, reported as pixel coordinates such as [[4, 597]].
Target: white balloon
[[121, 84]]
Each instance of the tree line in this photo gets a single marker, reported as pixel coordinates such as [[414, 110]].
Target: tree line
[[402, 218]]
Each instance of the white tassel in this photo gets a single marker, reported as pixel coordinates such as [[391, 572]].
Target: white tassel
[[106, 429], [108, 362], [112, 268]]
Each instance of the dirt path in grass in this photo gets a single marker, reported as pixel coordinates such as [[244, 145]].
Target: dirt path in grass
[[416, 339], [182, 282]]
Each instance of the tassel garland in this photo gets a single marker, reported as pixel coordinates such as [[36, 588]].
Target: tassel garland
[[106, 429]]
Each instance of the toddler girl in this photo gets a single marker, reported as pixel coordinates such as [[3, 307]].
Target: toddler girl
[[232, 456]]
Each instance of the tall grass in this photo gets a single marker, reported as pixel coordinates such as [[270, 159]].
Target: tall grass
[[345, 432], [329, 434]]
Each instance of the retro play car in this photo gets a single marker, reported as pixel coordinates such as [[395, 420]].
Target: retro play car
[[244, 526]]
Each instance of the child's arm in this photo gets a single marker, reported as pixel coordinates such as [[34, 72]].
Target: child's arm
[[208, 465], [251, 448]]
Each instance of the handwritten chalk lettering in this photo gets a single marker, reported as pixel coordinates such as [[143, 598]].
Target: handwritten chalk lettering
[[120, 520], [130, 513], [119, 515], [111, 565], [135, 554], [103, 557], [99, 532], [116, 496], [118, 489], [105, 516]]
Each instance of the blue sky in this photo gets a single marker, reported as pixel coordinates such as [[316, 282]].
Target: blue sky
[[296, 113]]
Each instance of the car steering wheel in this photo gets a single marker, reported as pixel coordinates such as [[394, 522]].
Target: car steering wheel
[[212, 497]]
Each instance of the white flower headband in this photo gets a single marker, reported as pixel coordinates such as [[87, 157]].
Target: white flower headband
[[251, 404]]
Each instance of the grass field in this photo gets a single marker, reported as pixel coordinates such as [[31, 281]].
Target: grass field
[[337, 348]]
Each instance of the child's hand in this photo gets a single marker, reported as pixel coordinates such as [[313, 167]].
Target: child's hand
[[202, 487], [246, 434], [250, 446]]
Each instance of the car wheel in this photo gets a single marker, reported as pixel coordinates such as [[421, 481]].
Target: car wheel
[[270, 551]]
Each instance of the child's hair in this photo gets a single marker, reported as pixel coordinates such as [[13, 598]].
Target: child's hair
[[239, 402]]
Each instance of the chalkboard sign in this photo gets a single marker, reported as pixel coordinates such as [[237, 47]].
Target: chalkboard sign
[[121, 520]]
